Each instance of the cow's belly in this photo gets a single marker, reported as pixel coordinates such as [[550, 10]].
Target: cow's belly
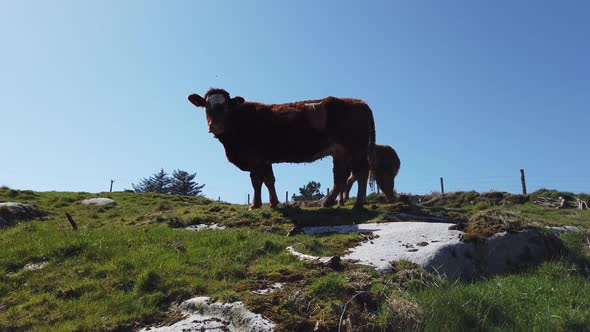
[[249, 157], [296, 155]]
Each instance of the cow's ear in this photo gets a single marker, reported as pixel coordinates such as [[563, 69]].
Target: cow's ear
[[235, 101], [197, 100]]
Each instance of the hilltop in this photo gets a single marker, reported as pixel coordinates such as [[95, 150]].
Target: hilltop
[[126, 265]]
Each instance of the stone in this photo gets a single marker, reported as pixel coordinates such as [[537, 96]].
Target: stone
[[13, 212], [446, 254], [201, 227], [200, 314], [330, 261], [100, 201]]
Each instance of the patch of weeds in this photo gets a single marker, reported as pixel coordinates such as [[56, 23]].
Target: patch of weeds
[[398, 313], [61, 202], [489, 222], [410, 276], [546, 298], [154, 299], [231, 272], [553, 194], [163, 205], [227, 296], [75, 292], [330, 286], [577, 243], [373, 198], [67, 250], [270, 247], [148, 282], [297, 301]]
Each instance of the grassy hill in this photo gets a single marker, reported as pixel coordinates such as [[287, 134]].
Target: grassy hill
[[125, 266]]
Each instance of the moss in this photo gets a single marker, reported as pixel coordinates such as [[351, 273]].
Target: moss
[[489, 222], [553, 194]]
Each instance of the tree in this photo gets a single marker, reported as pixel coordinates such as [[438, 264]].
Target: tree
[[183, 184], [309, 192], [157, 183]]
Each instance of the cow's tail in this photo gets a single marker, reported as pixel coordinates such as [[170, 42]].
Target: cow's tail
[[371, 156]]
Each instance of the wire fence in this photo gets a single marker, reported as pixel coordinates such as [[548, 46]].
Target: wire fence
[[518, 183]]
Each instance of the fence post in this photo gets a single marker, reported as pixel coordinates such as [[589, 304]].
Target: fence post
[[523, 181], [286, 197], [111, 190], [248, 199], [442, 186]]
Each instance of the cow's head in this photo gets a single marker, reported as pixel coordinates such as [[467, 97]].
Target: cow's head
[[217, 105]]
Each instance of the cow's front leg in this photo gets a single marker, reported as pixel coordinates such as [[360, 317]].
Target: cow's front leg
[[269, 182], [360, 170], [257, 185]]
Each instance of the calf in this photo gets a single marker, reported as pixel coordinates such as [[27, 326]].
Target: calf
[[387, 166]]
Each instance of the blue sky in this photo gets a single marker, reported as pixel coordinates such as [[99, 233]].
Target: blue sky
[[468, 90]]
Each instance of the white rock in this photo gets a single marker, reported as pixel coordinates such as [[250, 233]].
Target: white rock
[[35, 266], [100, 201], [202, 315], [273, 288], [201, 227], [565, 229], [19, 207], [438, 249], [19, 212]]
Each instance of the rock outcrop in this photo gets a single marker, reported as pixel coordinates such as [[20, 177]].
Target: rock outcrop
[[100, 201], [440, 250], [12, 212], [203, 315]]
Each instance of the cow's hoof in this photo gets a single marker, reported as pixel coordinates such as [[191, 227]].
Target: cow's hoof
[[255, 206], [359, 206], [327, 204]]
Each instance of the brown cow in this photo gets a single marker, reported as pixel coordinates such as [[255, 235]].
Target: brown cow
[[387, 166], [256, 135]]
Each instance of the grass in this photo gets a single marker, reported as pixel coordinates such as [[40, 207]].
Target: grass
[[125, 266], [554, 297]]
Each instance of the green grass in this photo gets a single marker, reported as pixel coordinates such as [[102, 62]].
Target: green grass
[[125, 266], [554, 297]]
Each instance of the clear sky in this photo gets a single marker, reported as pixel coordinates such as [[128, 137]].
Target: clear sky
[[469, 90]]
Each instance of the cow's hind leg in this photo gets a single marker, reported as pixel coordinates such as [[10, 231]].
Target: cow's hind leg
[[341, 171], [360, 170], [257, 185], [269, 182], [349, 183]]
